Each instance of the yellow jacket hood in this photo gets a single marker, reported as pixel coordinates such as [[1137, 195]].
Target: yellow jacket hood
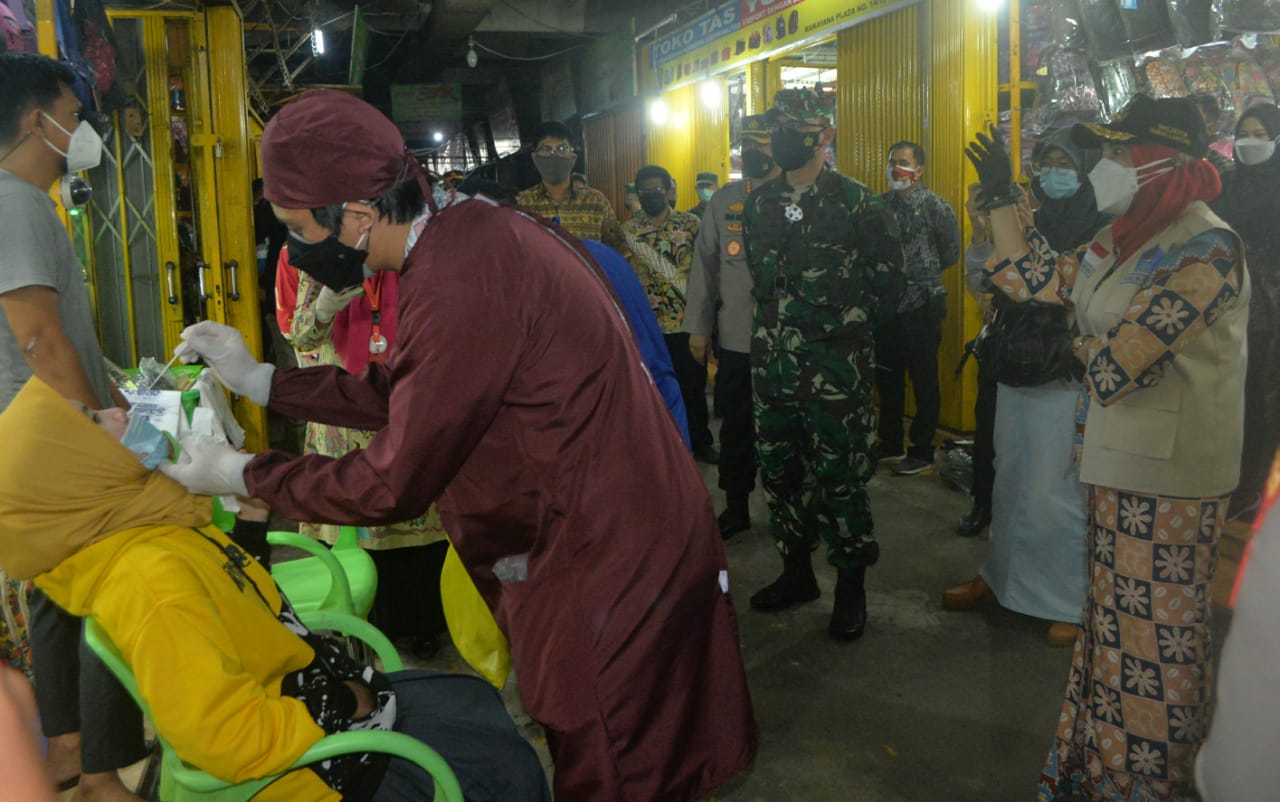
[[65, 483]]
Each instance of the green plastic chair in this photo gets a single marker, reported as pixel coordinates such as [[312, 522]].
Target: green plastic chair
[[180, 782], [342, 578]]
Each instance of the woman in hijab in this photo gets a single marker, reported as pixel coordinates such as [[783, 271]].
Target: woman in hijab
[[1250, 202], [1161, 302], [235, 683], [1036, 561]]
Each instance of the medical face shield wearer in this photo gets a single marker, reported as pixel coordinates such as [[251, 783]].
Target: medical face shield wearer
[[332, 263], [1115, 186], [145, 440], [84, 148], [1253, 152]]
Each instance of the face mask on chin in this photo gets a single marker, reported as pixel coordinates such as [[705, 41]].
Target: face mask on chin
[[756, 164], [794, 149], [335, 265], [554, 169], [84, 146], [145, 440]]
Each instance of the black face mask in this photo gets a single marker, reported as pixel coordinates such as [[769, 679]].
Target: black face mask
[[793, 149], [756, 164], [338, 267], [653, 205]]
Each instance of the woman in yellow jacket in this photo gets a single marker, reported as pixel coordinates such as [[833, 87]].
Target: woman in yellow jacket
[[235, 683]]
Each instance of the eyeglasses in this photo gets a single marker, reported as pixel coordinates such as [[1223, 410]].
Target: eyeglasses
[[558, 150]]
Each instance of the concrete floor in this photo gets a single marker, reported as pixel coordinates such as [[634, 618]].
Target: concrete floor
[[928, 705]]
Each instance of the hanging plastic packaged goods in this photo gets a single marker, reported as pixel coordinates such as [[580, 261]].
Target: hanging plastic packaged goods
[[1161, 75], [1068, 90], [1268, 58], [1104, 28], [1146, 25], [1118, 84], [1064, 23], [1192, 21], [1231, 76], [1258, 16]]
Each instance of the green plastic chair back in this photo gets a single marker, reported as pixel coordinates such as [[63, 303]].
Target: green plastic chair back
[[180, 782], [342, 578]]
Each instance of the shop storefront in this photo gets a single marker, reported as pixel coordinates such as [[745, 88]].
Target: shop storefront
[[167, 237], [923, 70]]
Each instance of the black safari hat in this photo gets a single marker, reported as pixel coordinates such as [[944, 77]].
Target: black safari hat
[[1175, 122]]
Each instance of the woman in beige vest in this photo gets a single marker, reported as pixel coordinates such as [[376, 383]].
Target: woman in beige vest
[[1161, 302]]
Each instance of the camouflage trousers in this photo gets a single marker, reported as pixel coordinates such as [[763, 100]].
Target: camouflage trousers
[[815, 460]]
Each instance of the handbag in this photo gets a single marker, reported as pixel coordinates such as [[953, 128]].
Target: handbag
[[1029, 344]]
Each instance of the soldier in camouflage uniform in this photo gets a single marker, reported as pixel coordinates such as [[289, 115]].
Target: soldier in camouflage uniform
[[826, 262]]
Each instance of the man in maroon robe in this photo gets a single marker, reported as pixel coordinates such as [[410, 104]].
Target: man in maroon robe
[[517, 398]]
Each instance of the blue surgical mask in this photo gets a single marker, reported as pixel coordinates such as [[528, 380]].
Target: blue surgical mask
[[1059, 183], [145, 440]]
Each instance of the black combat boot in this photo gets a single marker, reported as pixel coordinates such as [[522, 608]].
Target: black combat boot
[[849, 615], [796, 586], [735, 517]]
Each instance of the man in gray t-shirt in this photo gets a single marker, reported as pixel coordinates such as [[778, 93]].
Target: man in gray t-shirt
[[38, 269], [46, 330]]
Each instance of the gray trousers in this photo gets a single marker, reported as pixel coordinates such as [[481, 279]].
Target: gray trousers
[[76, 692]]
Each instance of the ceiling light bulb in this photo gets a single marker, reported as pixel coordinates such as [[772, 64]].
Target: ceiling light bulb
[[472, 58], [438, 137], [658, 112], [317, 42], [711, 94]]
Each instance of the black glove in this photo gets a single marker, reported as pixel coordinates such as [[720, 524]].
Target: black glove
[[995, 170]]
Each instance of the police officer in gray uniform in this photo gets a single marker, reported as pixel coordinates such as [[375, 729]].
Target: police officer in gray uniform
[[720, 291]]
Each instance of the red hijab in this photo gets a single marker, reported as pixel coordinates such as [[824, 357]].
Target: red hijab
[[1160, 201]]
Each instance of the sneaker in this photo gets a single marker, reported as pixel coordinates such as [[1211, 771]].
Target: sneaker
[[887, 456], [911, 466]]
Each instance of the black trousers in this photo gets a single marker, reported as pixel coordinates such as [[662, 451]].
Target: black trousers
[[77, 693], [908, 344], [737, 426], [984, 439], [1260, 422], [693, 388], [407, 604]]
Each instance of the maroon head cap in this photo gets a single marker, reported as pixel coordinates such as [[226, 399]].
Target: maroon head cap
[[328, 147]]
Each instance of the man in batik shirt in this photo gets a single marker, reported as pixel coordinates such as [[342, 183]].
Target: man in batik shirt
[[661, 243]]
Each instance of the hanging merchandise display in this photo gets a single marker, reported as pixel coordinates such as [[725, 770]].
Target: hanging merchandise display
[[1163, 75], [1146, 25], [1118, 83], [1104, 29], [1064, 23], [1192, 21], [1259, 16], [1230, 75], [1067, 89]]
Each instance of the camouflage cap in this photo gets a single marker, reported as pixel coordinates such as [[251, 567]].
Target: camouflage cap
[[755, 128], [798, 106]]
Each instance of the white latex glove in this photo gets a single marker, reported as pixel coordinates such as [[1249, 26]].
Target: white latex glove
[[222, 348], [330, 303], [208, 467]]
